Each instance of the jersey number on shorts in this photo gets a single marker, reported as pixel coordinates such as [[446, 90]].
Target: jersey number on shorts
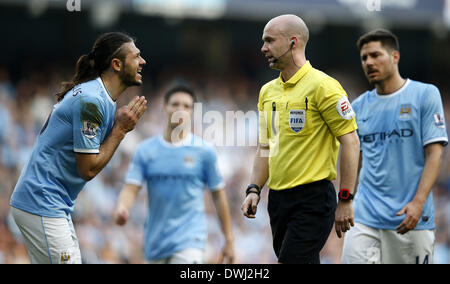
[[425, 260]]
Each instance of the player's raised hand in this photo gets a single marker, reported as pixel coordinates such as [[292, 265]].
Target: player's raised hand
[[138, 106], [128, 116]]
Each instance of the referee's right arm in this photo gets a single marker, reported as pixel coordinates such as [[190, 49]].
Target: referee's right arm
[[260, 174]]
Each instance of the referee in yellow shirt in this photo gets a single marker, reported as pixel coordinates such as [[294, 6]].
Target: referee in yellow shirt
[[304, 116]]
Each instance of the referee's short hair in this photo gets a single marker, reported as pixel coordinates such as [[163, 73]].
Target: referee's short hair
[[387, 39], [177, 87]]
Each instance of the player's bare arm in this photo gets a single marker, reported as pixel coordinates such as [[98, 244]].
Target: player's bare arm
[[125, 201], [89, 165], [357, 174], [220, 202], [413, 210], [260, 174], [349, 161]]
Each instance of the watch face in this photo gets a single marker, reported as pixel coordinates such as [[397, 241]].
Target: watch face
[[344, 193]]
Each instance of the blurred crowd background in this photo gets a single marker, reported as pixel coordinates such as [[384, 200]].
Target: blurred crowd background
[[215, 46]]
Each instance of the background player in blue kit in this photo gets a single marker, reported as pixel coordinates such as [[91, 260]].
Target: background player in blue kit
[[75, 144], [176, 167], [402, 133]]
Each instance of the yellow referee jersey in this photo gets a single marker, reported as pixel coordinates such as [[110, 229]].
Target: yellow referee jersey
[[300, 120]]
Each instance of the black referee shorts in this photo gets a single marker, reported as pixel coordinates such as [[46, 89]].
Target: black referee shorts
[[301, 219]]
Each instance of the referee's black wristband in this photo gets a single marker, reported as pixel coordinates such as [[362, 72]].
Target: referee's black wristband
[[250, 187]]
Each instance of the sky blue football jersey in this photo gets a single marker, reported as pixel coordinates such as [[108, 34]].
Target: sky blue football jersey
[[79, 123], [393, 130], [176, 177]]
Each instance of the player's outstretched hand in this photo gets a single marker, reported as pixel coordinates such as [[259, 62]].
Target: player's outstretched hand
[[128, 116], [250, 205]]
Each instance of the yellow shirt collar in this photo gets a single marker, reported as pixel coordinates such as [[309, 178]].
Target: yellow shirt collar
[[297, 76]]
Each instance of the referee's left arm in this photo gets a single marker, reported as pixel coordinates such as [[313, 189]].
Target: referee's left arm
[[349, 159]]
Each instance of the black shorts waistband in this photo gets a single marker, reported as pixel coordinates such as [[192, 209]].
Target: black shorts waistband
[[323, 182]]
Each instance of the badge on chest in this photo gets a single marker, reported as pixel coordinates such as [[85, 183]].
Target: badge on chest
[[405, 111], [189, 161], [297, 119]]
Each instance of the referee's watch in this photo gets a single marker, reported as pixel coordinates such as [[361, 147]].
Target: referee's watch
[[345, 194]]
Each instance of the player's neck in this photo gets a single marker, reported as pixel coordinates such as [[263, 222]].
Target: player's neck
[[113, 84], [175, 137], [390, 85]]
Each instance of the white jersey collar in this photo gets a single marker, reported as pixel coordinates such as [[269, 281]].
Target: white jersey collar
[[394, 93], [185, 142], [108, 95]]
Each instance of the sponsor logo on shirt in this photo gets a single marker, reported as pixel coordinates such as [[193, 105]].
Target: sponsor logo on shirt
[[170, 177], [386, 135], [344, 108]]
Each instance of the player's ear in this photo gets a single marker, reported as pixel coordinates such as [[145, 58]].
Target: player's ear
[[116, 64], [395, 56]]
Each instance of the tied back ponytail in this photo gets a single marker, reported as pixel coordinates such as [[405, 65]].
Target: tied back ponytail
[[91, 65], [84, 71]]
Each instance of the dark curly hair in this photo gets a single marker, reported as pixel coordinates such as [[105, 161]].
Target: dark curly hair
[[91, 65]]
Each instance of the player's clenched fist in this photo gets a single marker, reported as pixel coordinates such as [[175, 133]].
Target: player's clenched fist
[[128, 116]]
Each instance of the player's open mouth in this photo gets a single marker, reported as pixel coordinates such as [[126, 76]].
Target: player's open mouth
[[372, 72]]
